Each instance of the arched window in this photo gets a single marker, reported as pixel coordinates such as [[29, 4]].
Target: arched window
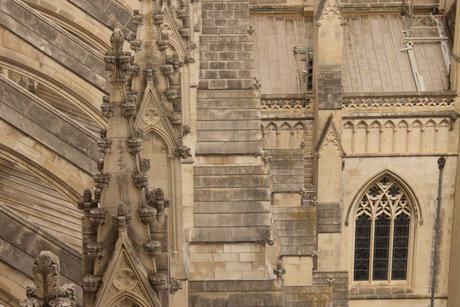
[[382, 232]]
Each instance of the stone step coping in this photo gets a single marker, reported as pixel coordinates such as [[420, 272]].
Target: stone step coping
[[234, 285]]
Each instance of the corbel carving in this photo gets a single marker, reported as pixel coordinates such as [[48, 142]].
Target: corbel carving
[[183, 152], [175, 286]]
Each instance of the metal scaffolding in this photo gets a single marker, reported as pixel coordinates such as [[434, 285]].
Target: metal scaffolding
[[422, 29]]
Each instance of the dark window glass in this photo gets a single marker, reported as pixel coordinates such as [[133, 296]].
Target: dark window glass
[[381, 247], [362, 247], [400, 247]]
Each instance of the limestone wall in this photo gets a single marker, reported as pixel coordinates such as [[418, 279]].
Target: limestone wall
[[421, 175]]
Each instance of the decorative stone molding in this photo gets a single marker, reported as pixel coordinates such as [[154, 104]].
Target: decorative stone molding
[[329, 136], [328, 8], [401, 103], [286, 104]]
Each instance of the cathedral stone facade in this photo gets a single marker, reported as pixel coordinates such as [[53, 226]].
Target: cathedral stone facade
[[229, 153]]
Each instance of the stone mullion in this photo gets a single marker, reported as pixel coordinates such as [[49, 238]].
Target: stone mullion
[[371, 250], [390, 249]]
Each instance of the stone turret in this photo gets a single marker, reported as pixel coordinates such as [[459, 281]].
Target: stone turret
[[124, 225]]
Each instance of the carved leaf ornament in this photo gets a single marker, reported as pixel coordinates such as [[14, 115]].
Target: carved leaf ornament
[[46, 292]]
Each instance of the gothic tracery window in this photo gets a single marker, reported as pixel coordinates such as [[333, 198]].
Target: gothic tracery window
[[382, 229]]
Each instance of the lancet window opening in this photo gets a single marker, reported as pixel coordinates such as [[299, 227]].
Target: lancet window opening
[[382, 232]]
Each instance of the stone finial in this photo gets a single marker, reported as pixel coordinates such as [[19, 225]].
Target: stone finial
[[87, 203], [117, 60], [46, 291], [149, 70], [122, 218]]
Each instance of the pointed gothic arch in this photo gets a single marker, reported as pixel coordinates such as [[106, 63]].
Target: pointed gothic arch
[[396, 178], [127, 299], [385, 215], [285, 126]]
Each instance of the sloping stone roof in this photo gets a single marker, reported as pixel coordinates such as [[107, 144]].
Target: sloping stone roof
[[22, 241]]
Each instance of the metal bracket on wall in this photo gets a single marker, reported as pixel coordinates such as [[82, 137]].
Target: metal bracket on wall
[[307, 72]]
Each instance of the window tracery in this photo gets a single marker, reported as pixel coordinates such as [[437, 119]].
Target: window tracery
[[382, 229]]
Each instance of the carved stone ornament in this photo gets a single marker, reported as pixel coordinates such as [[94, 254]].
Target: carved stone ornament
[[153, 248], [91, 283], [175, 286], [183, 152], [329, 136], [279, 271], [330, 8], [87, 203], [146, 214], [186, 130], [158, 281], [152, 117], [46, 290], [331, 139], [125, 280], [122, 218], [144, 165]]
